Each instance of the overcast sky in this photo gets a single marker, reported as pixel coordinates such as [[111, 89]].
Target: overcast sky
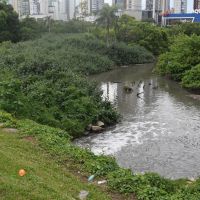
[[190, 4]]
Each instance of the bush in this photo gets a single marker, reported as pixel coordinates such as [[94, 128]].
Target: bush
[[44, 80], [191, 78], [179, 63], [9, 23], [151, 37]]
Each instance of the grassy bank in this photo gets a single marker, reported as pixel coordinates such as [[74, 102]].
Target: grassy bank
[[45, 179], [56, 143]]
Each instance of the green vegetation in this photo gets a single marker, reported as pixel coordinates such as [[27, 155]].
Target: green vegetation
[[28, 28], [9, 23], [181, 62], [191, 78], [153, 38], [107, 19], [57, 143], [45, 179], [43, 79]]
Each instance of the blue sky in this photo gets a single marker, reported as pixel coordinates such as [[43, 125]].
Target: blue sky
[[190, 4]]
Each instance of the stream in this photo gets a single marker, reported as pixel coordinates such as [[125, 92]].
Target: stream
[[160, 128]]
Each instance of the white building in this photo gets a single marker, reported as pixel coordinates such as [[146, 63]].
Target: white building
[[96, 5], [180, 6], [134, 5], [134, 9], [44, 7], [22, 7], [34, 7]]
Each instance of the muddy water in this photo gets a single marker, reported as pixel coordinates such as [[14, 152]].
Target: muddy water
[[160, 129]]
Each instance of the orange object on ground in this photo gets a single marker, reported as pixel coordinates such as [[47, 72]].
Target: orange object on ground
[[22, 172]]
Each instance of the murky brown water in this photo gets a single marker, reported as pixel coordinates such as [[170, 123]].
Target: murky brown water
[[160, 129]]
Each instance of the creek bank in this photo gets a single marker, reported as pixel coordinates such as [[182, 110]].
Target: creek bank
[[95, 128], [195, 96]]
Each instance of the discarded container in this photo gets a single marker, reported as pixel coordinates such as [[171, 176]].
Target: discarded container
[[102, 182], [91, 178], [22, 172], [83, 195]]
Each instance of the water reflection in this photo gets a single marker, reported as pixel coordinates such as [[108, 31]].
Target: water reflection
[[160, 130]]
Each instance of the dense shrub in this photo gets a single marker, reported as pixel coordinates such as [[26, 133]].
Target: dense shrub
[[9, 23], [31, 29], [184, 28], [119, 53], [191, 78], [72, 26], [153, 38], [44, 79], [183, 56]]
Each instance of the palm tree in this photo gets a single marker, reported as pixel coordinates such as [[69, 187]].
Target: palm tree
[[107, 18]]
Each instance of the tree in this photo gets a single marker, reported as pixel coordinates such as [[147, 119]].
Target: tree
[[107, 18], [153, 38], [9, 23]]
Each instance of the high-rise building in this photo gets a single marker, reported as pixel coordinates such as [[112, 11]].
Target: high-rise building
[[149, 5], [34, 7], [180, 6], [196, 4], [134, 9], [160, 6], [22, 7], [14, 3], [44, 7], [67, 9], [96, 5], [121, 4], [134, 5]]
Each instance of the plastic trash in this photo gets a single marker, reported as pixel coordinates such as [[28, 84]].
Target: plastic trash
[[22, 172], [102, 182], [91, 178], [83, 195]]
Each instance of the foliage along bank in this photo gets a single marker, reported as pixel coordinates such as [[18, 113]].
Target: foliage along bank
[[181, 62], [44, 79], [149, 186]]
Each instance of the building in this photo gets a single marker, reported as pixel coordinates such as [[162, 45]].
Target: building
[[82, 8], [22, 7], [196, 4], [149, 5], [182, 17], [14, 3], [34, 7], [180, 6], [134, 9], [44, 7], [96, 5], [120, 4], [154, 8], [133, 4]]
